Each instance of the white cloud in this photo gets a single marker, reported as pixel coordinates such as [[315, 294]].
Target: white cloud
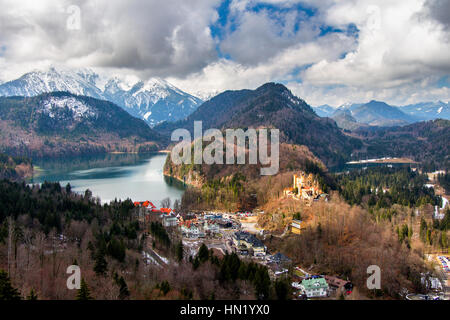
[[399, 54], [397, 48], [226, 74], [151, 37]]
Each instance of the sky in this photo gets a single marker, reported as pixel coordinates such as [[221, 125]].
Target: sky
[[327, 52]]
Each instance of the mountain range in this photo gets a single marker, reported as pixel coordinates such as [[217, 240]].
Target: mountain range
[[154, 100], [378, 113], [272, 106], [61, 124]]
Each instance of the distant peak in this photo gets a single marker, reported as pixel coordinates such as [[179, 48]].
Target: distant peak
[[272, 85]]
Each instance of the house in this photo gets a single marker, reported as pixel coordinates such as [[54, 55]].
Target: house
[[144, 207], [169, 220], [314, 287], [224, 223], [280, 259], [296, 226], [339, 285], [190, 230], [211, 227], [166, 210], [249, 241], [145, 204]]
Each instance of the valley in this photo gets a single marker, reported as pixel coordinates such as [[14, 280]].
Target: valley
[[95, 182]]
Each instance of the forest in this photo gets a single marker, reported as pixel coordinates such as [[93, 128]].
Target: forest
[[344, 240], [425, 142], [14, 168], [44, 229], [382, 187]]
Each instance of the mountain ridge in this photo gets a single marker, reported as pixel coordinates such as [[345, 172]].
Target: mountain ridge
[[154, 100], [271, 106], [61, 123]]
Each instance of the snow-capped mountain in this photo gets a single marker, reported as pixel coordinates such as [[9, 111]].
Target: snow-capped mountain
[[154, 100], [428, 110], [324, 110], [205, 96], [80, 82]]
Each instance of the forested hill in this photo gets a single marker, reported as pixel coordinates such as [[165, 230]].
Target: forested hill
[[272, 106], [425, 142], [14, 168], [61, 123]]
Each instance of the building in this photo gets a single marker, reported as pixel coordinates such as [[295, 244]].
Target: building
[[225, 223], [190, 230], [280, 259], [296, 226], [144, 207], [340, 285], [314, 287], [246, 240], [304, 187], [169, 220], [211, 227]]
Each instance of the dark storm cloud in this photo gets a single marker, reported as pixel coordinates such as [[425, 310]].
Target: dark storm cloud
[[439, 10]]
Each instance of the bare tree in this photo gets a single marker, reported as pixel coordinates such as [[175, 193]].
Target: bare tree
[[165, 203]]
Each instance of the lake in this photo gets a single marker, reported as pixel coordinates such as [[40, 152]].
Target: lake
[[109, 176]]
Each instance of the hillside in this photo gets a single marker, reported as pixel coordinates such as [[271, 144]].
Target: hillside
[[345, 120], [272, 106], [425, 142], [235, 187], [61, 123], [14, 168]]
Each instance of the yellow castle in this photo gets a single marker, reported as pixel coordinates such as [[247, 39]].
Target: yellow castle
[[304, 187]]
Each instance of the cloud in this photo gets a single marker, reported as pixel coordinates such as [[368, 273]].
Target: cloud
[[439, 10], [152, 37], [226, 74], [262, 35], [326, 51]]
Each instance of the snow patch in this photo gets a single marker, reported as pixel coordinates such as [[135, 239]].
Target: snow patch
[[79, 108]]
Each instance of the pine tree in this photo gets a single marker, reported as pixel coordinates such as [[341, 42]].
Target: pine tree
[[262, 283], [123, 291], [32, 295], [84, 292], [179, 251], [7, 291], [203, 253], [101, 266]]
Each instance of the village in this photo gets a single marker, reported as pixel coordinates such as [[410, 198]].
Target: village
[[227, 232], [238, 232]]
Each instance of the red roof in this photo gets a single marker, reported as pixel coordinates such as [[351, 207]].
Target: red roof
[[144, 204]]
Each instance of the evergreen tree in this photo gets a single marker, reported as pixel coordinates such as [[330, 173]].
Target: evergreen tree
[[262, 283], [84, 292], [101, 266], [282, 289], [203, 253], [123, 291], [32, 295], [179, 251], [7, 291]]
